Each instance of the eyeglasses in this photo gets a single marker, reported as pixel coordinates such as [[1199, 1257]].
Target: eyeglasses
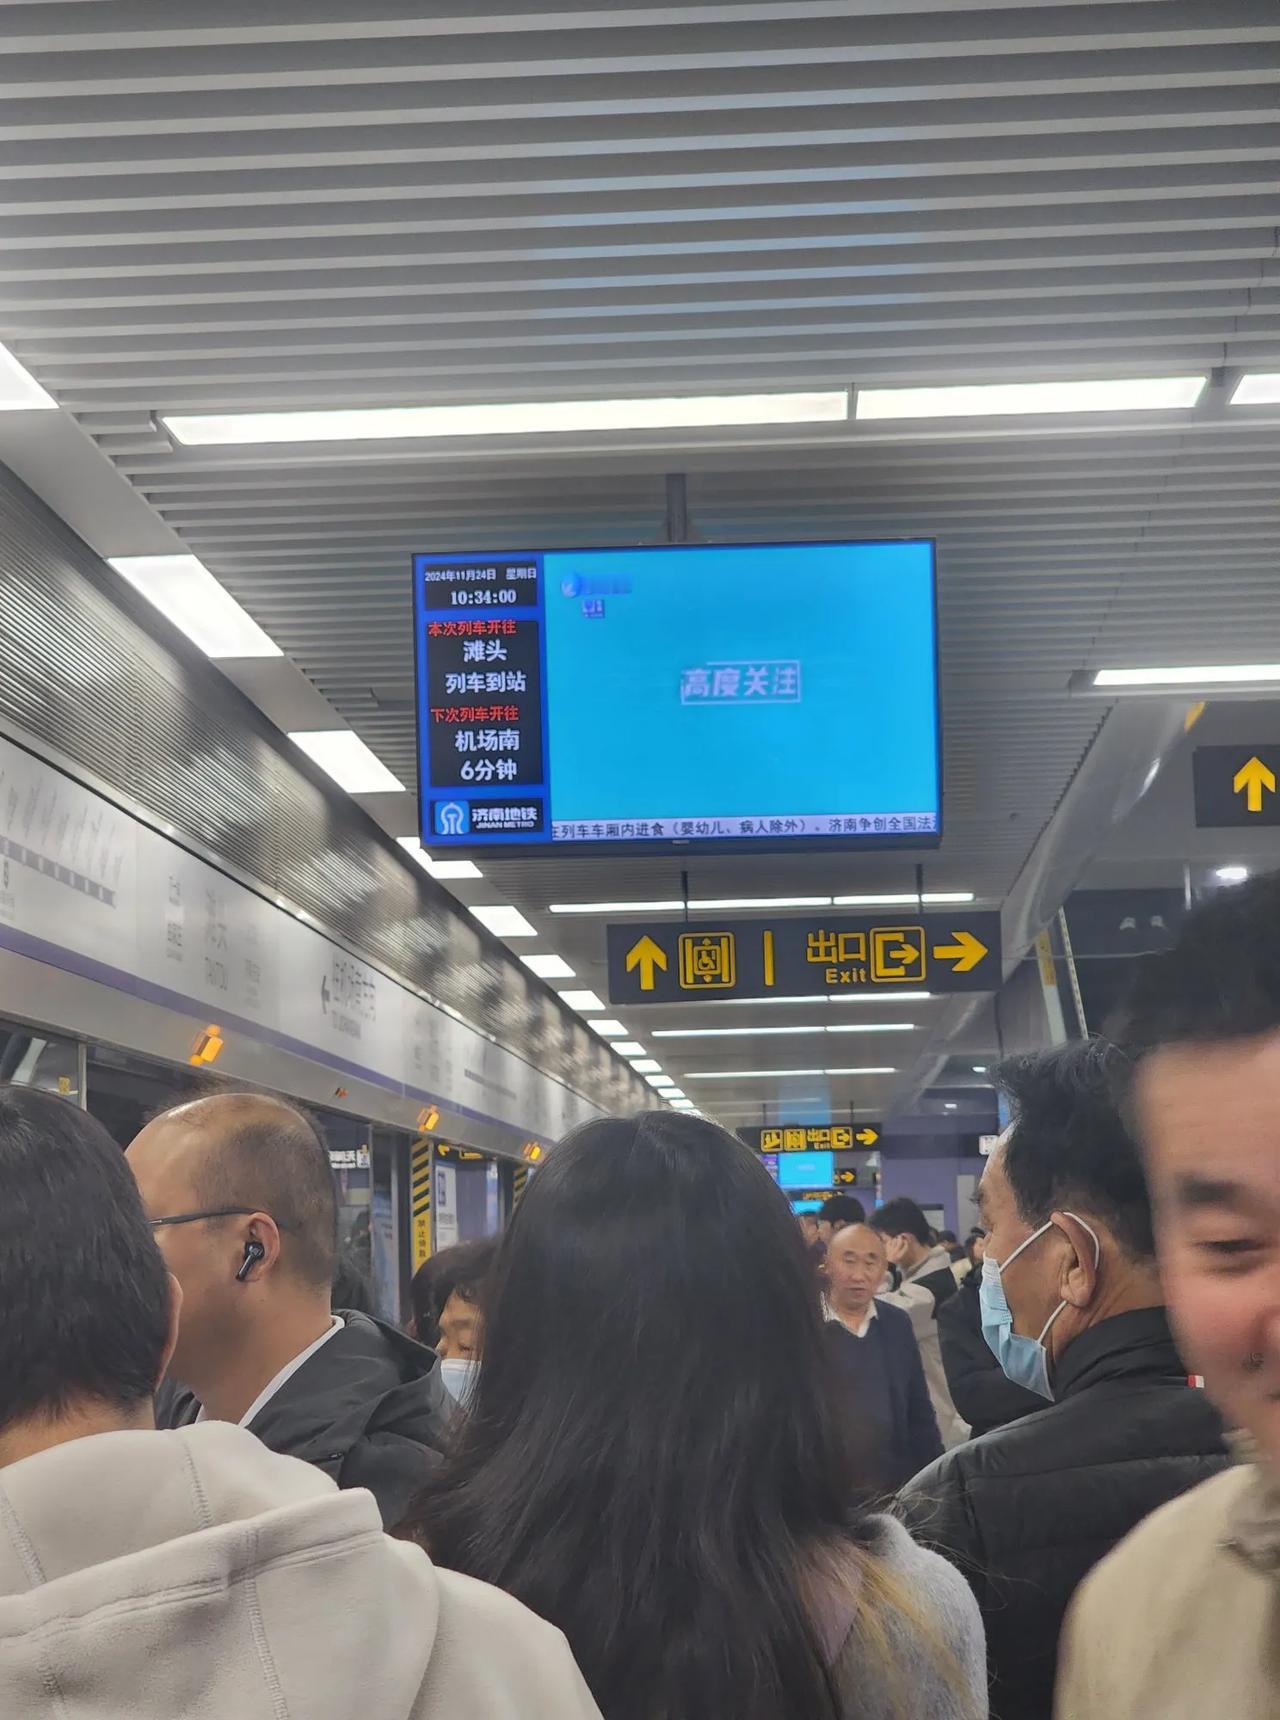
[[216, 1212]]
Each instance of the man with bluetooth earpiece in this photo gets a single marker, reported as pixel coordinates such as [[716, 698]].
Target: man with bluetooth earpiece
[[1071, 1307], [239, 1194]]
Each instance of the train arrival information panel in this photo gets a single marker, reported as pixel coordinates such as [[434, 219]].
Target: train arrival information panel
[[746, 696]]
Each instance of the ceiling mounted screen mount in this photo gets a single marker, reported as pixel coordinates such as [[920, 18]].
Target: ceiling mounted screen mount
[[703, 697]]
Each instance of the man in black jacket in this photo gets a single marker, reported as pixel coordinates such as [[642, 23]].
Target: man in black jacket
[[240, 1195], [1071, 1303], [874, 1353]]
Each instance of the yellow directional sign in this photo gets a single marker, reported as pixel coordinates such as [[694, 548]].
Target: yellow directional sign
[[1252, 780], [897, 954], [809, 1137], [648, 957], [846, 1177], [803, 956], [964, 953], [1236, 787]]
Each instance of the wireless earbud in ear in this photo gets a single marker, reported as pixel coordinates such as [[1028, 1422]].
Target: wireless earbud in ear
[[253, 1253]]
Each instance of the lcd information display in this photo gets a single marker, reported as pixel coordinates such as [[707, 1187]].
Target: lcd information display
[[745, 695], [806, 1170]]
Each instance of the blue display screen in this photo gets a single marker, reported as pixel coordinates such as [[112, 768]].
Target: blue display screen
[[753, 695], [806, 1170]]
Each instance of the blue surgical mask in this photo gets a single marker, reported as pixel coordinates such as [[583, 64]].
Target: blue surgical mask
[[459, 1375], [1024, 1360]]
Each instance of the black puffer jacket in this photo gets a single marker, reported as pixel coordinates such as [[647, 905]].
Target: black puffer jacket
[[1027, 1510], [368, 1408]]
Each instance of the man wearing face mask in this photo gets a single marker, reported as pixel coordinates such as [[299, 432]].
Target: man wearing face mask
[[1072, 1308]]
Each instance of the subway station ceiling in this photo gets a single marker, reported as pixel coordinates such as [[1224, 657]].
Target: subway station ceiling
[[312, 203]]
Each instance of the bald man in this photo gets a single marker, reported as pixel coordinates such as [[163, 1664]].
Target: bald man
[[240, 1195], [874, 1349]]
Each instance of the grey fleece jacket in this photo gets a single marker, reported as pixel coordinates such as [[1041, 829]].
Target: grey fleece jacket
[[939, 1673], [195, 1574]]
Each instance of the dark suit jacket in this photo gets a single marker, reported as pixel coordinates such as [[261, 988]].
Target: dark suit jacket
[[884, 1378]]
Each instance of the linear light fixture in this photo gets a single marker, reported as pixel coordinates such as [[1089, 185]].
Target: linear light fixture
[[721, 904], [19, 390], [761, 1032], [503, 920], [1029, 399], [657, 1082], [454, 871], [442, 869], [341, 754], [772, 1074], [1259, 388], [581, 1000], [610, 1029], [507, 418], [186, 593], [708, 904], [629, 1047], [879, 997], [882, 996], [1193, 675], [646, 1066], [905, 899], [674, 1093], [549, 967]]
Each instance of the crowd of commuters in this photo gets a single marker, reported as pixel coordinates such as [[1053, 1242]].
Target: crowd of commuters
[[659, 1455]]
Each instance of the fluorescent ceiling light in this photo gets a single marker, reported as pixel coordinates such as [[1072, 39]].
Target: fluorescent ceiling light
[[880, 997], [344, 756], [773, 1074], [883, 996], [503, 920], [581, 1000], [674, 1093], [453, 871], [905, 899], [509, 418], [1231, 874], [442, 869], [186, 593], [700, 904], [761, 1032], [646, 1066], [657, 1081], [19, 390], [549, 967], [610, 1029], [1262, 388], [683, 1105], [1201, 675], [630, 1047], [979, 1068], [1004, 399]]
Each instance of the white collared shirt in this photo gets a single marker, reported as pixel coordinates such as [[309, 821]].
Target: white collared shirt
[[861, 1331], [284, 1376]]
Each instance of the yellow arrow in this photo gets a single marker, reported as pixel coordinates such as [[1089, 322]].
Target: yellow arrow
[[868, 1137], [905, 955], [1251, 779], [966, 952], [646, 955]]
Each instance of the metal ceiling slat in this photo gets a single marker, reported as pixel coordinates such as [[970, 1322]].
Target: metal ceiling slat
[[325, 207]]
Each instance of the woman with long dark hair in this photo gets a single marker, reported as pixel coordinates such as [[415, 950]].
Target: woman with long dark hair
[[655, 1462]]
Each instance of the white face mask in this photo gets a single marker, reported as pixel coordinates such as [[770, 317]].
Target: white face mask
[[459, 1375]]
